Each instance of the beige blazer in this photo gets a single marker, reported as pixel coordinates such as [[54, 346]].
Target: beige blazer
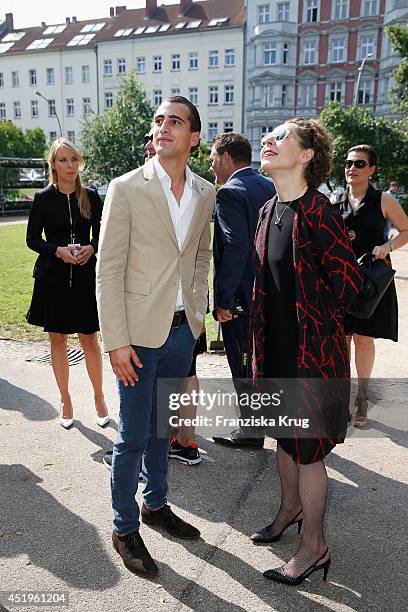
[[140, 264]]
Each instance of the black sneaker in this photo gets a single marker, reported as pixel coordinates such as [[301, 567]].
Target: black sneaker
[[134, 553], [165, 518], [189, 455], [107, 462]]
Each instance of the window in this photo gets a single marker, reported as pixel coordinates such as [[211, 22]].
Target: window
[[2, 110], [86, 75], [157, 63], [337, 50], [366, 45], [80, 40], [51, 108], [40, 43], [312, 7], [141, 65], [213, 61], [107, 67], [93, 27], [1, 80], [175, 91], [370, 8], [309, 52], [70, 107], [68, 75], [32, 77], [50, 76], [335, 92], [109, 100], [266, 129], [121, 64], [86, 106], [52, 136], [267, 95], [123, 32], [34, 108], [228, 126], [176, 62], [269, 53], [285, 53], [71, 136], [213, 94], [228, 94], [16, 110], [365, 92], [56, 29], [263, 13], [283, 11], [157, 97], [306, 95], [193, 60], [284, 92], [15, 80], [229, 57], [193, 95], [212, 131], [340, 9]]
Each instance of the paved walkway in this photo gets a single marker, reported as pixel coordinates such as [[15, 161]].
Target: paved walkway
[[55, 516]]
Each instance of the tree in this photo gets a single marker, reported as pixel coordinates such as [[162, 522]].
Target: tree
[[199, 163], [398, 36], [112, 142], [351, 126], [14, 142]]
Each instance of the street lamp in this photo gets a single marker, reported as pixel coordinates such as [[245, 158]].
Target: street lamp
[[360, 70], [37, 93]]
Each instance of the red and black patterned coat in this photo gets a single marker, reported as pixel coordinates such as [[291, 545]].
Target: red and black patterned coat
[[326, 282]]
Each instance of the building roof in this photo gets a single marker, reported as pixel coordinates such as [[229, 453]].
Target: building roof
[[208, 15]]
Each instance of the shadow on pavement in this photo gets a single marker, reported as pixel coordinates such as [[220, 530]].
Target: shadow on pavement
[[97, 438], [35, 524], [33, 407]]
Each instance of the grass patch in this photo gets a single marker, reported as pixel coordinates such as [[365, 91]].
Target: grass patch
[[16, 286]]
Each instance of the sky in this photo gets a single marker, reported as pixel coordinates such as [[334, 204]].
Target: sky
[[28, 13]]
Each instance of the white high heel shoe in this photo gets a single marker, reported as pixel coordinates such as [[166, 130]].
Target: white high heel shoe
[[65, 423], [102, 421]]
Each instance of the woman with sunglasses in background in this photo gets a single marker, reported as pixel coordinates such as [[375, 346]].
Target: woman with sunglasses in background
[[365, 211], [63, 300], [306, 276]]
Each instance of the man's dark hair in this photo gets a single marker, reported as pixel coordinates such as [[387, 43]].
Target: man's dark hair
[[193, 114], [236, 145]]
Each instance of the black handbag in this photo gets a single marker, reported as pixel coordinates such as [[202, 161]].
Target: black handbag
[[377, 275]]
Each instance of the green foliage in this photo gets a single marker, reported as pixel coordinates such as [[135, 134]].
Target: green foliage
[[398, 36], [199, 163], [352, 126], [112, 143], [14, 142]]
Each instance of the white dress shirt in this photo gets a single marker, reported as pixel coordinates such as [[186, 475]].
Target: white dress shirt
[[181, 214]]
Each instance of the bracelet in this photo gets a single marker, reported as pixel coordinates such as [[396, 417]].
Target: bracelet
[[390, 245]]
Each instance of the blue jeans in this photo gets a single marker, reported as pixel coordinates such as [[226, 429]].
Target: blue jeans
[[137, 441]]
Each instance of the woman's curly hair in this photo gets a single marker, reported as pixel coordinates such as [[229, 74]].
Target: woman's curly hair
[[312, 134]]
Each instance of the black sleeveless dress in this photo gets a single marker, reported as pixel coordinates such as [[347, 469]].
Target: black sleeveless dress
[[366, 230]]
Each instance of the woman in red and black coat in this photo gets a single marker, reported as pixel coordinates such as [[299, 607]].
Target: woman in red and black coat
[[306, 277]]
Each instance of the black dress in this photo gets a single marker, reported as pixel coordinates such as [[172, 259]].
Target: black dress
[[63, 298], [366, 230]]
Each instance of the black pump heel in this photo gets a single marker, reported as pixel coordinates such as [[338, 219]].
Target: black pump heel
[[264, 536], [278, 575]]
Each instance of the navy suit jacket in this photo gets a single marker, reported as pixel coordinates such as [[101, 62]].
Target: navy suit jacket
[[237, 208]]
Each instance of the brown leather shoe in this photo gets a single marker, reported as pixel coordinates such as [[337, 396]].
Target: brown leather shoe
[[134, 553], [165, 518]]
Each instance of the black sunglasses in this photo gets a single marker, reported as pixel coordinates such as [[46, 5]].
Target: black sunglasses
[[358, 163], [147, 138]]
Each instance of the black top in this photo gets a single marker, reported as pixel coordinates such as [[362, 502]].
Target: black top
[[50, 214], [282, 325], [365, 225]]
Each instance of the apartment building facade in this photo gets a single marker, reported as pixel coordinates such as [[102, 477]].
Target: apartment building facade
[[54, 76], [303, 54]]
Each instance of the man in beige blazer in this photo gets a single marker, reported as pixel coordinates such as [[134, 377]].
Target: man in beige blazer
[[152, 282]]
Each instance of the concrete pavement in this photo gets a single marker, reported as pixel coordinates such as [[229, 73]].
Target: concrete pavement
[[55, 515]]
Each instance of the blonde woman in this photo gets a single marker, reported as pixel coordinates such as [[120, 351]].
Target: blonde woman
[[63, 300]]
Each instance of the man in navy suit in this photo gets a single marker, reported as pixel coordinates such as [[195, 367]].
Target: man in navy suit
[[238, 202]]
